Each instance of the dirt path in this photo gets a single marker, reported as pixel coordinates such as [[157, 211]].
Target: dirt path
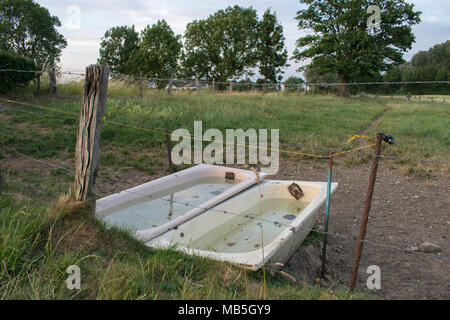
[[374, 123], [405, 212]]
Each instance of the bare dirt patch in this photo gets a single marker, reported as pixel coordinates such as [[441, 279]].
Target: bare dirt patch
[[405, 212]]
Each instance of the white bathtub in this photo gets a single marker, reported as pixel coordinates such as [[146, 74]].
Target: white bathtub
[[155, 207], [231, 230]]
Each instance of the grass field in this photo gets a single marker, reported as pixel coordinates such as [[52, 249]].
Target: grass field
[[41, 235]]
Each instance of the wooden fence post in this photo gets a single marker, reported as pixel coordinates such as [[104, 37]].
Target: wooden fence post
[[87, 152], [38, 85], [197, 86], [169, 87], [264, 89], [298, 89], [213, 86], [52, 78], [248, 87], [231, 86]]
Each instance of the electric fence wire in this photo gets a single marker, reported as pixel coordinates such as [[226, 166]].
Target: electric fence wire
[[247, 215]]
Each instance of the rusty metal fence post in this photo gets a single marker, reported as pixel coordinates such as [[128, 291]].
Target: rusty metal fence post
[[169, 151], [365, 218]]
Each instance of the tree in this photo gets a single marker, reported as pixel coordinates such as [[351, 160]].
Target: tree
[[430, 65], [158, 53], [223, 46], [272, 54], [28, 30], [343, 44], [116, 47], [293, 83], [13, 79]]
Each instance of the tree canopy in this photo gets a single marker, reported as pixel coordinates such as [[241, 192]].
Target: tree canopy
[[116, 48], [272, 54], [342, 42], [28, 30], [223, 46], [158, 52], [13, 79]]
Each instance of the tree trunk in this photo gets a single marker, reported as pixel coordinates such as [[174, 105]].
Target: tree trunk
[[87, 152], [343, 88]]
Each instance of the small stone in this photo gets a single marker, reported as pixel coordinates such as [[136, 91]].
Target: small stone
[[428, 247]]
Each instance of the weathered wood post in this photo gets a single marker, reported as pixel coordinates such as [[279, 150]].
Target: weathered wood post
[[213, 86], [140, 85], [231, 86], [38, 85], [87, 152], [298, 89], [169, 87], [52, 78], [248, 87], [197, 86], [264, 89]]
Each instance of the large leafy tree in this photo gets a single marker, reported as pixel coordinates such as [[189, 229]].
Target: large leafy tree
[[342, 43], [116, 48], [223, 46], [272, 54], [158, 53], [29, 30]]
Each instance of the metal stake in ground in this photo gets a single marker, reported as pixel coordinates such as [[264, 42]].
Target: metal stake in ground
[[327, 212], [365, 218], [87, 152], [169, 151]]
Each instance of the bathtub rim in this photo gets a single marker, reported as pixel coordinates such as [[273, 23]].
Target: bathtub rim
[[133, 193], [253, 259]]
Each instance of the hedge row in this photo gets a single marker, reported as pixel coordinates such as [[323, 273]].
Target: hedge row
[[12, 79]]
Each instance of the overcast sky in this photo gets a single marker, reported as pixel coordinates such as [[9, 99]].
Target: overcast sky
[[96, 16]]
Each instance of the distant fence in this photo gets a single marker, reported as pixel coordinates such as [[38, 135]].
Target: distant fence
[[171, 85]]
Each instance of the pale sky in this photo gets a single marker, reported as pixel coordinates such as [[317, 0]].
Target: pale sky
[[96, 16]]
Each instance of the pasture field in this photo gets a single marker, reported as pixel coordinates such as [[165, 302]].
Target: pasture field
[[40, 237]]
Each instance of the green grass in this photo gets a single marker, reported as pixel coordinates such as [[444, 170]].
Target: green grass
[[38, 244], [310, 124], [39, 240]]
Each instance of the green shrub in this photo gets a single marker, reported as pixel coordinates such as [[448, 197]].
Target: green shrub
[[13, 79]]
